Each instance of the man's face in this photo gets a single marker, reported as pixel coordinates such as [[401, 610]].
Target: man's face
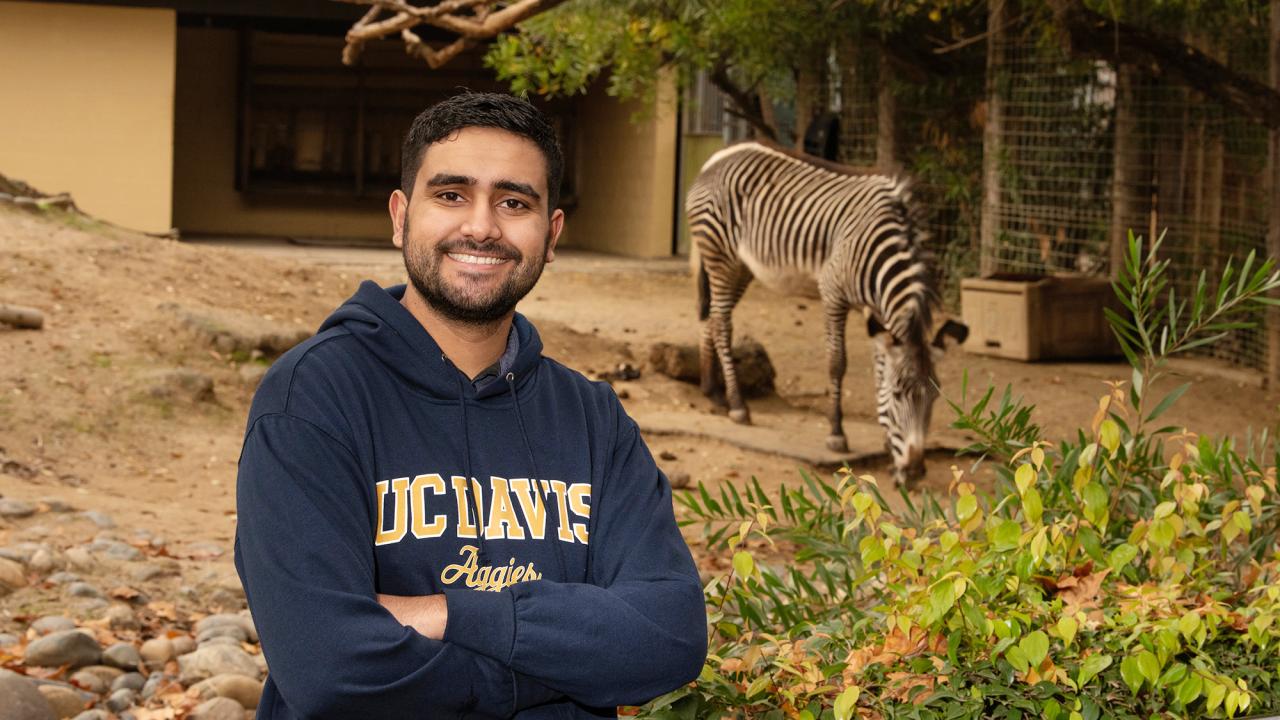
[[476, 232]]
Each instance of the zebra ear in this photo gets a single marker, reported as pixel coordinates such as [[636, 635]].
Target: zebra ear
[[957, 331], [874, 327]]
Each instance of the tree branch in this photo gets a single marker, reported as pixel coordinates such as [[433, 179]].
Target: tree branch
[[1090, 34], [748, 105]]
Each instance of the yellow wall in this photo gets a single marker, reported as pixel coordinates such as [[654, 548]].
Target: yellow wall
[[88, 106], [626, 175], [204, 196], [696, 149]]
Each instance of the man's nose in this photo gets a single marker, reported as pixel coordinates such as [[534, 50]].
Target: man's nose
[[481, 224]]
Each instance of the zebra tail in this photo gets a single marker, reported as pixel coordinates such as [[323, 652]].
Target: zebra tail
[[704, 292]]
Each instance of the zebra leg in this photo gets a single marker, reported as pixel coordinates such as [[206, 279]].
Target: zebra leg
[[709, 367], [837, 314], [724, 296]]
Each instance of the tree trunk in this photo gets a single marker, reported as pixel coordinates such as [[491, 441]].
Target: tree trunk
[[988, 252], [1126, 173], [886, 119], [1273, 224]]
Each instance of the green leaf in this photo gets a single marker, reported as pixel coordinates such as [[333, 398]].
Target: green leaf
[[1067, 627], [1090, 668], [846, 702], [1005, 535], [1109, 435], [941, 598], [1017, 657], [1149, 666], [1161, 533], [1188, 624], [1024, 477], [1168, 401], [1214, 695], [1032, 505], [872, 550], [966, 506], [1036, 646], [1131, 674], [743, 564], [1121, 556], [1095, 502]]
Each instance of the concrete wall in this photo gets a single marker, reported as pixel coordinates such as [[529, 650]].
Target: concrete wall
[[205, 199], [626, 175], [696, 150], [88, 106]]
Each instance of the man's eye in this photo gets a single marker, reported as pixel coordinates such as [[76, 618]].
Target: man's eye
[[449, 196], [513, 204]]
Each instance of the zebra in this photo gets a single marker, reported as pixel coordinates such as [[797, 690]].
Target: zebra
[[805, 226]]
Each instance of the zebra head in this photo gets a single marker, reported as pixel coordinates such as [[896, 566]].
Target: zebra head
[[906, 388]]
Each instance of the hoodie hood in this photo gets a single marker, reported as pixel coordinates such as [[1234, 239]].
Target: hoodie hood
[[375, 317]]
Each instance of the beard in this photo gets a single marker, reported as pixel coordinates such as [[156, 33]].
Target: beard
[[464, 303]]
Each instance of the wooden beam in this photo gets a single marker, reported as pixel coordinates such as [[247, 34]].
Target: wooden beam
[[990, 230]]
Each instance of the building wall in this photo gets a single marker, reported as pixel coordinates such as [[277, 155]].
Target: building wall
[[205, 199], [696, 150], [626, 175], [88, 95]]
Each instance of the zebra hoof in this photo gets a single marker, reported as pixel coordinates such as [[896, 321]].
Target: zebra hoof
[[837, 443], [742, 416]]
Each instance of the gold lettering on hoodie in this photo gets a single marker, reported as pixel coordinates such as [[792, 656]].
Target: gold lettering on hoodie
[[489, 578], [399, 488]]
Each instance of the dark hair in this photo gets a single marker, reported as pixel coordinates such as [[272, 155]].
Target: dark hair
[[474, 109]]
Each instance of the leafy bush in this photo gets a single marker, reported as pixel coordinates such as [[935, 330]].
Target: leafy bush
[[1130, 572]]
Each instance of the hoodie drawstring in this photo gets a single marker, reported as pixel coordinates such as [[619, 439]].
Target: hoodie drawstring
[[536, 479], [482, 554]]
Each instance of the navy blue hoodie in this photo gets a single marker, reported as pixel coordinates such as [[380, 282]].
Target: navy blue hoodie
[[569, 588]]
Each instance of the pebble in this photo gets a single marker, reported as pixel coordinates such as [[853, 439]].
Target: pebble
[[20, 700], [12, 576], [11, 508], [122, 655], [63, 577], [218, 709], [53, 623], [157, 682], [43, 561], [679, 480], [131, 680], [106, 672], [83, 589], [9, 640], [121, 617], [94, 714], [235, 633], [227, 620], [210, 660], [151, 571], [157, 651], [99, 518], [182, 644], [121, 699], [55, 505], [244, 690], [90, 681], [65, 647], [80, 558], [115, 550], [65, 701], [20, 553]]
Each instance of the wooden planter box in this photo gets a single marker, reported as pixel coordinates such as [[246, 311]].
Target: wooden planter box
[[1039, 318]]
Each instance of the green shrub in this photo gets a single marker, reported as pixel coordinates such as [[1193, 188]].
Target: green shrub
[[1130, 572]]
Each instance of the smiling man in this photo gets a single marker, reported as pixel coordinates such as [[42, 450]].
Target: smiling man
[[436, 520]]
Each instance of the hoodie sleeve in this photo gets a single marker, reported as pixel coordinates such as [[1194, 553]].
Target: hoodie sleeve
[[305, 556], [638, 630]]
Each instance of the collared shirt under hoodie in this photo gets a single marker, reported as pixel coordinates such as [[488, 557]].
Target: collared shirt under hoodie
[[371, 465]]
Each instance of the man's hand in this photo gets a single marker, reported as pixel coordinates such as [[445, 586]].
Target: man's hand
[[427, 614]]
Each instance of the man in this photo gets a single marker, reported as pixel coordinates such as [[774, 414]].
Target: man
[[434, 519]]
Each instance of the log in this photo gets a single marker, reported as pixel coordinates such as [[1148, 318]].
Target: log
[[22, 317]]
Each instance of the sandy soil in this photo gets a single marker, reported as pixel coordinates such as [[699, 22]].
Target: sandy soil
[[79, 423]]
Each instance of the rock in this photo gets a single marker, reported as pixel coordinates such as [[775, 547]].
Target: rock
[[121, 700], [9, 640], [115, 550], [227, 620], [121, 617], [755, 371], [55, 505], [122, 655], [63, 577], [53, 623], [182, 644], [220, 640], [17, 554], [80, 558], [679, 480], [106, 672], [90, 681], [93, 715], [667, 455], [44, 561], [20, 700], [14, 509], [177, 385], [218, 709], [215, 659], [152, 570], [12, 576], [233, 332], [64, 647], [132, 680], [244, 690], [252, 373], [157, 651], [99, 518], [83, 589], [65, 701], [158, 682]]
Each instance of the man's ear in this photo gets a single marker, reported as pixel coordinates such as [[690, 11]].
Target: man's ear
[[398, 207], [553, 233]]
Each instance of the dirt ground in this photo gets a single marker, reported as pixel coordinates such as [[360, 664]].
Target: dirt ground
[[81, 420]]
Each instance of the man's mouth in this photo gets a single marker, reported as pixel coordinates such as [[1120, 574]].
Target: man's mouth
[[476, 259]]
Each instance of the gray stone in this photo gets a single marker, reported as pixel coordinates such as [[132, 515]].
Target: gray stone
[[84, 590], [177, 385], [90, 681], [679, 480], [55, 505], [220, 640], [121, 700], [152, 570], [182, 644], [20, 553], [80, 558], [65, 647], [244, 690], [44, 560], [157, 683], [65, 701], [99, 518], [115, 550], [121, 617], [218, 709], [157, 651], [216, 659], [252, 373], [53, 623], [12, 576], [234, 332], [94, 714], [236, 632], [10, 508], [106, 672], [122, 655], [63, 577], [132, 680], [20, 700], [9, 640]]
